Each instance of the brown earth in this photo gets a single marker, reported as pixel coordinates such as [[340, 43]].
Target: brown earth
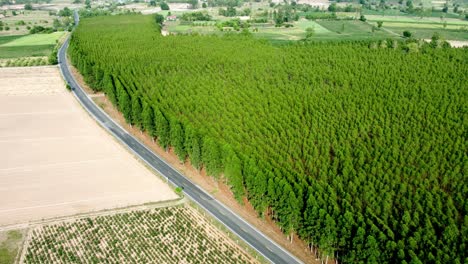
[[218, 189], [55, 161]]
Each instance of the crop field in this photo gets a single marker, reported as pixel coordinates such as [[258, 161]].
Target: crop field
[[36, 45], [202, 27], [270, 32], [55, 160], [35, 39], [427, 33], [422, 32], [421, 25], [167, 235], [424, 28], [351, 30], [397, 12], [417, 20], [24, 62], [323, 30], [25, 51], [294, 33]]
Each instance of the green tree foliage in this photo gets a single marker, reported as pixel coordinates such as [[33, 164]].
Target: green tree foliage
[[164, 6], [196, 16], [407, 34], [53, 60], [65, 12], [195, 149], [233, 172], [147, 119], [109, 89], [159, 19], [212, 157], [162, 128], [124, 103], [177, 139], [137, 111], [361, 152]]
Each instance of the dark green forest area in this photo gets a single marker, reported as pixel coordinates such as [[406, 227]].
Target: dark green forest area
[[361, 152]]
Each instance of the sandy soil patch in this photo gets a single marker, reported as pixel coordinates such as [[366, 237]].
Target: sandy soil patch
[[54, 158], [454, 43], [315, 3], [179, 6], [458, 43]]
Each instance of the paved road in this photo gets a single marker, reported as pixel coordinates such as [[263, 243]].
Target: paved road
[[232, 221]]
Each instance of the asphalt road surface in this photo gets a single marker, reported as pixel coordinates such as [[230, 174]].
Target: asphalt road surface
[[232, 221]]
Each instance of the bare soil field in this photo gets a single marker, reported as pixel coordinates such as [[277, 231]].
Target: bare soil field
[[55, 160]]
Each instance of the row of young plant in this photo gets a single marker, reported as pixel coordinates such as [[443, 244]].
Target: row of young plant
[[361, 152], [24, 62], [168, 235]]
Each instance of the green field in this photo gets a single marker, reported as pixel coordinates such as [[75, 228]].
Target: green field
[[424, 28], [395, 12], [178, 28], [427, 33], [36, 45], [34, 40], [25, 51], [420, 25], [5, 39], [9, 244], [351, 30], [418, 20], [297, 32], [323, 30]]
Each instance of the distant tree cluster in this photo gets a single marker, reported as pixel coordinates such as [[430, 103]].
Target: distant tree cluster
[[164, 6], [195, 16], [23, 2], [361, 152], [235, 24], [231, 3]]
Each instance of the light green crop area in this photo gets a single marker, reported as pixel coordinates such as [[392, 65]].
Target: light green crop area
[[304, 24], [35, 39], [9, 245]]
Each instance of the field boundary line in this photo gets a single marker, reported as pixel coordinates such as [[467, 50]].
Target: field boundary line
[[105, 212], [24, 246], [383, 28]]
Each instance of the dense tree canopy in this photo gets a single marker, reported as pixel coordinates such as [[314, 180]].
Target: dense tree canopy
[[361, 152]]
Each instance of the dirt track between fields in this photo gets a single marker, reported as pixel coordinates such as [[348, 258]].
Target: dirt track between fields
[[55, 160]]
